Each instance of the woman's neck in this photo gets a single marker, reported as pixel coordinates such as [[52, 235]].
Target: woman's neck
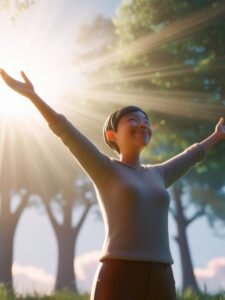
[[131, 159]]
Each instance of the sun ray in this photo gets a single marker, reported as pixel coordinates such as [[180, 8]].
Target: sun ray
[[150, 43], [179, 103], [136, 74], [25, 138]]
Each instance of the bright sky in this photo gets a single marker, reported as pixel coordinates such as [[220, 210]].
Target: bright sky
[[42, 43]]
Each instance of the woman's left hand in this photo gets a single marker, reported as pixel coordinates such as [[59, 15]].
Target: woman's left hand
[[220, 129]]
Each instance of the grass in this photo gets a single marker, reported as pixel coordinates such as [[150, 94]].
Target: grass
[[63, 295], [68, 295], [189, 295]]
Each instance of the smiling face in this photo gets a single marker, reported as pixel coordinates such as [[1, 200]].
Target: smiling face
[[133, 132]]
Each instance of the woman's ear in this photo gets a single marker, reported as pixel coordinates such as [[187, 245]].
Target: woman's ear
[[110, 135]]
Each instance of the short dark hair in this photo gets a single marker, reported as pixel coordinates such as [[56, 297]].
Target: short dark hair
[[112, 122]]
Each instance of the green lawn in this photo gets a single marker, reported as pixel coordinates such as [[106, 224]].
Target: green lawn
[[68, 295], [188, 295]]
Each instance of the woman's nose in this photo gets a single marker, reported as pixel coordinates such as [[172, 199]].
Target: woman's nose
[[143, 125]]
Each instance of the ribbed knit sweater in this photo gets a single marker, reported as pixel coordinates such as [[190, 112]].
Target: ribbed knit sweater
[[134, 204]]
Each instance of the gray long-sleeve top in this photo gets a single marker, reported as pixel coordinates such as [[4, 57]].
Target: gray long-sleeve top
[[134, 204]]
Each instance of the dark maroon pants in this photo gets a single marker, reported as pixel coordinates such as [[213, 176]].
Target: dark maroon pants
[[133, 280]]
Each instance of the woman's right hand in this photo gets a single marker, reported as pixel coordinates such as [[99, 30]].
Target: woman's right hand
[[24, 88]]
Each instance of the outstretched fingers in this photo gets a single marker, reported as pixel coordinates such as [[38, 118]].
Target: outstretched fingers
[[221, 120], [23, 87], [220, 128], [25, 77], [27, 80], [8, 79], [3, 73]]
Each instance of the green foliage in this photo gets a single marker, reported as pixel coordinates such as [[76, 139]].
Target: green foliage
[[68, 295], [15, 7], [192, 60], [63, 295], [5, 294], [97, 34], [189, 295], [183, 70]]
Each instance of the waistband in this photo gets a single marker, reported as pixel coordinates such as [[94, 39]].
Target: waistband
[[135, 262]]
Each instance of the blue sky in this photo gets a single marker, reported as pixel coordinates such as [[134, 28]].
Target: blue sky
[[54, 24]]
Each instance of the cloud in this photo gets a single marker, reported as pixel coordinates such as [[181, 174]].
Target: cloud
[[85, 266], [213, 276], [31, 279]]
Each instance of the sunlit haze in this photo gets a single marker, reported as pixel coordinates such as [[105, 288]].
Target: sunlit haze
[[33, 44], [39, 45], [42, 42]]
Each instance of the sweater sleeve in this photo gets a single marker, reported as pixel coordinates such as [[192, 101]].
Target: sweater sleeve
[[172, 169], [94, 162]]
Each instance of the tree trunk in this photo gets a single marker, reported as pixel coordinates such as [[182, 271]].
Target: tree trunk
[[8, 223], [65, 272], [188, 277], [6, 254], [66, 235]]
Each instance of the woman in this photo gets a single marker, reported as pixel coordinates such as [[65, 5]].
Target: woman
[[135, 262]]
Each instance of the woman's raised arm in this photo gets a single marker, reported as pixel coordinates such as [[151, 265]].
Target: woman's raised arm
[[177, 166], [95, 163], [217, 135]]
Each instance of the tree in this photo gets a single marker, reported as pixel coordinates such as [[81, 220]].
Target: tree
[[176, 49], [96, 38], [67, 203], [16, 7], [46, 172], [18, 4], [33, 162], [9, 217], [8, 223]]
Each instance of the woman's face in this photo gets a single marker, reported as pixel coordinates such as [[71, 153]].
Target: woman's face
[[133, 132]]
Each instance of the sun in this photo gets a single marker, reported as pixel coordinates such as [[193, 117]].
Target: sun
[[42, 57], [12, 104]]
